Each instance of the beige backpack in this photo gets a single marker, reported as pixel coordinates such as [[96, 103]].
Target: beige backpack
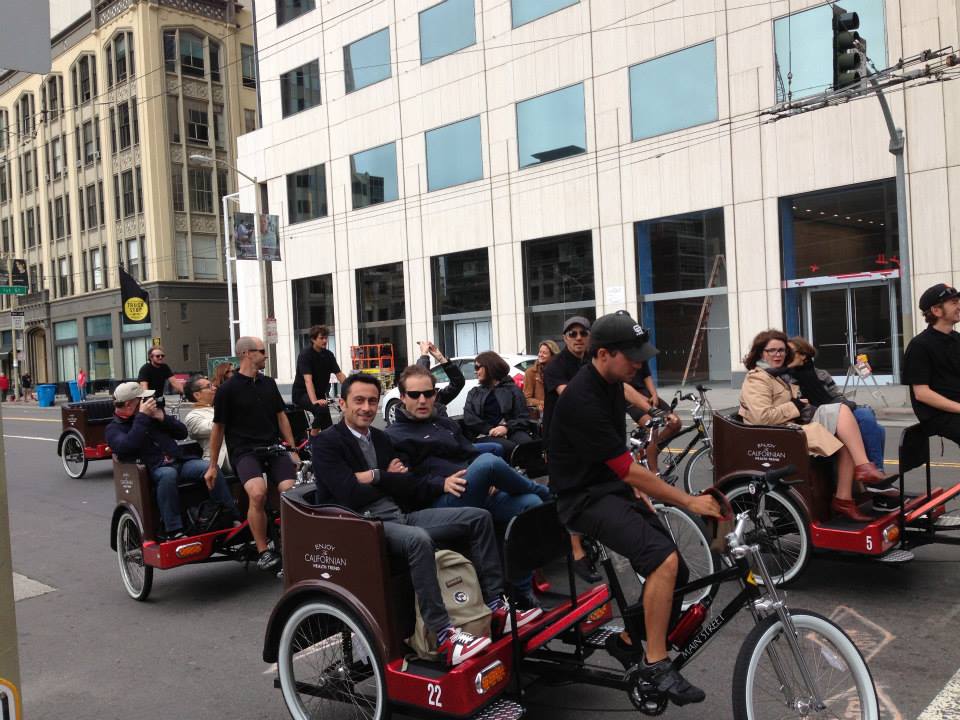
[[463, 599]]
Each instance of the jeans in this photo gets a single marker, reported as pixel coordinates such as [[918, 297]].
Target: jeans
[[872, 434], [489, 447], [516, 493], [415, 536], [168, 498]]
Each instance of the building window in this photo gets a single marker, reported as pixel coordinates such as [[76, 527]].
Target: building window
[[26, 115], [96, 269], [674, 92], [138, 177], [804, 46], [4, 182], [182, 256], [367, 61], [91, 206], [32, 218], [6, 235], [65, 341], [191, 54], [65, 276], [312, 305], [300, 88], [134, 265], [4, 129], [682, 285], [219, 129], [184, 311], [100, 203], [307, 194], [56, 157], [120, 58], [214, 50], [99, 347], [558, 275], [206, 262], [123, 126], [88, 142], [83, 217], [381, 310], [116, 197], [373, 176], [551, 126], [524, 11], [135, 350], [249, 120], [198, 126], [248, 66], [454, 154], [126, 182], [59, 221], [445, 28], [176, 176], [170, 50], [201, 189], [287, 10], [461, 301], [51, 96], [83, 76]]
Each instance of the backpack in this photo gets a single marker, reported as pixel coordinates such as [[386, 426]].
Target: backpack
[[463, 599]]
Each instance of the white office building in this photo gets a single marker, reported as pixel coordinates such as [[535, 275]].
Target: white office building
[[475, 171]]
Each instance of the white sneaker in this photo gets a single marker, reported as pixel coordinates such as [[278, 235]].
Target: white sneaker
[[460, 646]]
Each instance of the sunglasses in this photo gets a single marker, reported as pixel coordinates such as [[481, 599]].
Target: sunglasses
[[578, 334], [477, 367], [415, 394], [159, 355], [259, 350]]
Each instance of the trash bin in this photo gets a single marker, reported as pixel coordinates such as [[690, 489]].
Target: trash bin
[[46, 394], [74, 391]]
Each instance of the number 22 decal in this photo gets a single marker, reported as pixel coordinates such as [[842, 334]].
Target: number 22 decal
[[433, 695]]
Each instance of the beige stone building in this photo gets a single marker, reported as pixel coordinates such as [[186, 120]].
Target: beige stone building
[[95, 172]]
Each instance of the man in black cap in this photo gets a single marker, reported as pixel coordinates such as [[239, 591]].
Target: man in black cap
[[931, 364], [560, 371], [603, 493]]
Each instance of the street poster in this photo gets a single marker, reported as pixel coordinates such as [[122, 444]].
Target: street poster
[[244, 239], [270, 237]]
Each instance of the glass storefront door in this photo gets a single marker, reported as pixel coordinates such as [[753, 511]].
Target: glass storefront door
[[848, 320]]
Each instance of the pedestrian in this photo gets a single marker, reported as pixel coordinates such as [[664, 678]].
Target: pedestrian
[[82, 384], [26, 387], [311, 385], [4, 386]]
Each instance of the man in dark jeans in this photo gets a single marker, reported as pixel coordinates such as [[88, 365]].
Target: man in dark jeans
[[249, 412], [141, 431], [931, 364], [355, 466], [311, 385]]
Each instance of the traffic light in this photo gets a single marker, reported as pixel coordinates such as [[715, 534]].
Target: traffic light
[[849, 49]]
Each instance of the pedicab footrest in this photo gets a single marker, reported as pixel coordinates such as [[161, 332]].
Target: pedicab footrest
[[896, 556], [598, 639], [947, 521], [501, 709]]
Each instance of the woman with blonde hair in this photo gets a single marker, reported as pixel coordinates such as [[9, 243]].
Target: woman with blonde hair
[[768, 398], [533, 389]]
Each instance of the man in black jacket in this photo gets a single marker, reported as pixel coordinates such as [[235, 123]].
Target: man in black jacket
[[142, 432], [355, 466]]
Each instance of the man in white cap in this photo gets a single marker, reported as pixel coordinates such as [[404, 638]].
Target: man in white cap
[[142, 431]]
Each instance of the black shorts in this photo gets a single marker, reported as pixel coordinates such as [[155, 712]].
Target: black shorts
[[320, 414], [944, 424], [626, 526], [278, 468], [636, 413]]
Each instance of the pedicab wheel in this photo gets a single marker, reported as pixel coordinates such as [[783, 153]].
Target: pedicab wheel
[[767, 682], [71, 455], [781, 532], [329, 667], [690, 536], [137, 577]]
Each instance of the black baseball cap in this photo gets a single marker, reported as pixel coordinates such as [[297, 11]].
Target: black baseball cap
[[619, 331], [937, 294]]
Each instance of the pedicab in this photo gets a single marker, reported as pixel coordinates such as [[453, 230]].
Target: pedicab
[[83, 436], [337, 633], [794, 521]]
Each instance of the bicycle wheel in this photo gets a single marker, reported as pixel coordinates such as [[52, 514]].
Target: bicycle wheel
[[698, 474], [137, 577], [781, 532], [72, 456], [767, 681], [690, 536], [328, 666]]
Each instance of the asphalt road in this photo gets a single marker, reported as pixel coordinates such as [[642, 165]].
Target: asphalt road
[[193, 650]]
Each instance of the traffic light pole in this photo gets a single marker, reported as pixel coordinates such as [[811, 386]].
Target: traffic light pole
[[897, 147]]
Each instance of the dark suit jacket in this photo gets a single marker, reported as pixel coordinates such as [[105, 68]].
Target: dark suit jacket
[[337, 457]]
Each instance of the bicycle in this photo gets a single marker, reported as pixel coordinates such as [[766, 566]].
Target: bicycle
[[792, 662], [698, 473]]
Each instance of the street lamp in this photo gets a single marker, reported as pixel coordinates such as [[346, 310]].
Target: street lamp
[[207, 160]]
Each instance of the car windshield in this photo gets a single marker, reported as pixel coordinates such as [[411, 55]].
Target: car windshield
[[524, 364], [469, 372], [440, 374]]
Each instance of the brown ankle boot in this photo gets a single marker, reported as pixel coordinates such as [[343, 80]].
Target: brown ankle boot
[[848, 509], [867, 474]]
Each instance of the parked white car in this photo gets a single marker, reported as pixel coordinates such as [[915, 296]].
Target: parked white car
[[518, 365]]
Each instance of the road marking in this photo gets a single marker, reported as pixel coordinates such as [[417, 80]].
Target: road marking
[[946, 704], [30, 419], [24, 588], [30, 437]]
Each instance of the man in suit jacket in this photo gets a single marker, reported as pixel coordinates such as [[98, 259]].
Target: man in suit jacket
[[355, 466]]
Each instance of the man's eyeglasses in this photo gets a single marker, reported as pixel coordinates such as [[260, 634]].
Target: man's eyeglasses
[[775, 351], [159, 356], [578, 334], [415, 394]]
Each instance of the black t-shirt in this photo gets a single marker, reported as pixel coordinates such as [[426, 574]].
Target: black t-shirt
[[319, 365], [589, 428], [155, 377], [559, 371], [933, 358], [248, 409]]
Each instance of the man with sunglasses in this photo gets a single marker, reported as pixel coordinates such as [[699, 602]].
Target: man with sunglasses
[[249, 412], [560, 371], [931, 364], [155, 372]]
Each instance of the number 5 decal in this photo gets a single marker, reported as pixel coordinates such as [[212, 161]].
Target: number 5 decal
[[433, 695], [869, 542]]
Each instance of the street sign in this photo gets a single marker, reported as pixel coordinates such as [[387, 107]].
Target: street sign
[[13, 290], [271, 334], [156, 342], [16, 319]]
